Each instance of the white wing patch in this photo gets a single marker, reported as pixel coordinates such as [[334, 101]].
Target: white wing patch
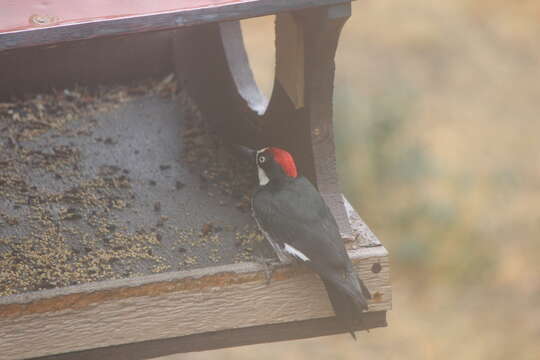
[[295, 252]]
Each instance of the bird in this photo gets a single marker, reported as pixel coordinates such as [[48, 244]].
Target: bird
[[299, 226]]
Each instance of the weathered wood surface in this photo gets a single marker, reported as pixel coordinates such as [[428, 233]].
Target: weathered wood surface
[[34, 23], [162, 314], [174, 304], [362, 234]]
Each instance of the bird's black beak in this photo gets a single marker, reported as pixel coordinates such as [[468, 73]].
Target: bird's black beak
[[245, 152]]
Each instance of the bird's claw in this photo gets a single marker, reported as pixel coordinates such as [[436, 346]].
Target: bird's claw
[[269, 267]]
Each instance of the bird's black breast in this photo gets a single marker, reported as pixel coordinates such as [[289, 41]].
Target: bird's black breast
[[294, 212]]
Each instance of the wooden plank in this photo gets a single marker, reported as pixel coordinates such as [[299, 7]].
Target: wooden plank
[[58, 21], [362, 234], [228, 338], [175, 304], [321, 28], [32, 14], [120, 316]]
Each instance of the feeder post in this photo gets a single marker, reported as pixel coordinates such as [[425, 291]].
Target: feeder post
[[299, 116]]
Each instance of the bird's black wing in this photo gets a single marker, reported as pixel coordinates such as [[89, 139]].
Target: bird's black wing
[[297, 215]]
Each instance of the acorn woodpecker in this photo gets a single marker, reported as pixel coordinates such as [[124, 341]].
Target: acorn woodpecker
[[299, 226]]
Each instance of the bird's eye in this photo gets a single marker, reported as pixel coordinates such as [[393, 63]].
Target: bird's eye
[[261, 159]]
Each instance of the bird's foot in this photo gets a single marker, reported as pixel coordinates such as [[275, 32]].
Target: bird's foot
[[269, 268]]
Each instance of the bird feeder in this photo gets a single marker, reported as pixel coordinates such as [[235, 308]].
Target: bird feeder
[[125, 228]]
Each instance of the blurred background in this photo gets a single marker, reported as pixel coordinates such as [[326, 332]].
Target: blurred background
[[436, 116]]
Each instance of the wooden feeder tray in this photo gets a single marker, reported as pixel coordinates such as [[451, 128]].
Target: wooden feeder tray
[[125, 221]]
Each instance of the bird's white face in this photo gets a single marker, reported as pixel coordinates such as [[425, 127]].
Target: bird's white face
[[259, 159]]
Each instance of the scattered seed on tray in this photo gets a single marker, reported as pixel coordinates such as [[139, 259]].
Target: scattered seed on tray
[[70, 233]]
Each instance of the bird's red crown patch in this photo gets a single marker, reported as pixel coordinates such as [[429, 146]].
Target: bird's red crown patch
[[286, 161]]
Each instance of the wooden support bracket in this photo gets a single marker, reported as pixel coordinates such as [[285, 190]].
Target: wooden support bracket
[[299, 116]]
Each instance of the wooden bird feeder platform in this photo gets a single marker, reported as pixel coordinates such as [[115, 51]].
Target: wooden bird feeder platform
[[125, 228]]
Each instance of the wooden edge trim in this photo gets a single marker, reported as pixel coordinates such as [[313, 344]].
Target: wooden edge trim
[[184, 313], [226, 338], [153, 22], [361, 232], [81, 296]]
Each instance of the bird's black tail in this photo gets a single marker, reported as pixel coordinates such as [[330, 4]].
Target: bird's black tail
[[348, 298]]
